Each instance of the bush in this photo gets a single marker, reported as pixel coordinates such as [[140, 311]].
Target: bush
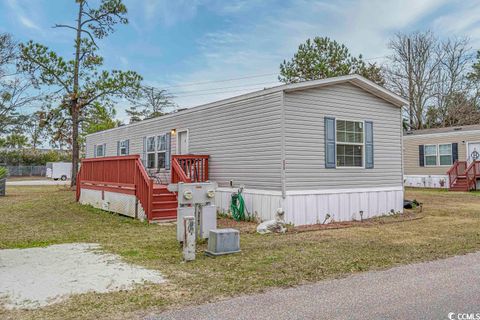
[[3, 173]]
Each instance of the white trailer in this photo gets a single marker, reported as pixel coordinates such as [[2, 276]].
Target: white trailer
[[59, 170]]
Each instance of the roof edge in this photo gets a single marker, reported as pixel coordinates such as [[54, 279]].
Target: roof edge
[[354, 79]]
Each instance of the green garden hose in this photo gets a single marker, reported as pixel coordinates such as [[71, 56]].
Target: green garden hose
[[237, 206]]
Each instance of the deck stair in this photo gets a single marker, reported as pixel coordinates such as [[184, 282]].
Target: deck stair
[[164, 204], [463, 176]]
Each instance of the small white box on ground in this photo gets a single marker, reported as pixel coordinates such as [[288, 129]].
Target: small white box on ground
[[223, 241]]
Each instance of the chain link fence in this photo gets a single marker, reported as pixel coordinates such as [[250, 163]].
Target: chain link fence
[[22, 171]]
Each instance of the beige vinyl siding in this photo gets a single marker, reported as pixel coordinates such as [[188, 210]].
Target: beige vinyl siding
[[242, 138], [304, 138], [411, 155]]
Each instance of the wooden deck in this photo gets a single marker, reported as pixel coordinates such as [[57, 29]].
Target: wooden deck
[[127, 175]]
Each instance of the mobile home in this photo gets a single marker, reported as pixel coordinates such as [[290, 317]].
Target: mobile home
[[441, 157], [317, 148]]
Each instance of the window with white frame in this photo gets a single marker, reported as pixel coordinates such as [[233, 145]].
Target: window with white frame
[[350, 143], [150, 152], [431, 155], [123, 148], [445, 154], [100, 150], [161, 150]]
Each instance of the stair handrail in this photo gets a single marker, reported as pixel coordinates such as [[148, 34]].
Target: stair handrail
[[453, 173], [189, 168], [471, 175], [178, 174], [143, 187]]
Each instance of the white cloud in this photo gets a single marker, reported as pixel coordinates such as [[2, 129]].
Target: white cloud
[[168, 12], [28, 23], [261, 34], [24, 16], [465, 20], [257, 46]]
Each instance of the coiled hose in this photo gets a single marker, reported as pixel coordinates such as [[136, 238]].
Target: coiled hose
[[237, 206]]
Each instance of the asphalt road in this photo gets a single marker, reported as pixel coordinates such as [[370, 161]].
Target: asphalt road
[[442, 289]]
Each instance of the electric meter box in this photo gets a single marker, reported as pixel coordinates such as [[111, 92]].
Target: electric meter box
[[196, 193], [208, 220], [181, 213]]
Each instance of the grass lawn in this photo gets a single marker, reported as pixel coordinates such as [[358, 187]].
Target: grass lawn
[[40, 216]]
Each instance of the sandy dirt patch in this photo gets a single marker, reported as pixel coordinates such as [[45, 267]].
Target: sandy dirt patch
[[36, 277]]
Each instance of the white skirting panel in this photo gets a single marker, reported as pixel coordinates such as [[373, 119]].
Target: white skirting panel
[[262, 203], [312, 206], [124, 204], [426, 181]]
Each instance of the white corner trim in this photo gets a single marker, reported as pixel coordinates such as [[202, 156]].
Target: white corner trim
[[283, 162]]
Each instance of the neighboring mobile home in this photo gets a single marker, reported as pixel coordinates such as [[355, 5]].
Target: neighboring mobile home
[[316, 148], [430, 153]]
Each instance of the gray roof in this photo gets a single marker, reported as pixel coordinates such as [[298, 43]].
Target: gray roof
[[473, 127]]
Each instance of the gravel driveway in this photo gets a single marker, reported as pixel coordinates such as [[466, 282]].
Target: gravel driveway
[[442, 289]]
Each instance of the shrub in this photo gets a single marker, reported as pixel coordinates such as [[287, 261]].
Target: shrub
[[3, 173], [29, 157]]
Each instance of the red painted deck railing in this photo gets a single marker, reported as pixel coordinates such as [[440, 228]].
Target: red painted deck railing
[[124, 174], [472, 173], [189, 168], [458, 169]]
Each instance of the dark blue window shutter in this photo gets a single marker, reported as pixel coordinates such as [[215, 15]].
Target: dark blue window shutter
[[168, 138], [104, 149], [421, 155], [94, 150], [454, 151], [330, 158], [369, 145], [144, 155], [118, 148]]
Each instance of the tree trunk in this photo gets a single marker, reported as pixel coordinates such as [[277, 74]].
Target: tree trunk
[[75, 146], [74, 107]]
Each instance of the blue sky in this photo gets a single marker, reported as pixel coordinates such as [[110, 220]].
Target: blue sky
[[176, 44]]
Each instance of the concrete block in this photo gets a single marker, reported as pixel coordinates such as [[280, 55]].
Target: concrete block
[[223, 241]]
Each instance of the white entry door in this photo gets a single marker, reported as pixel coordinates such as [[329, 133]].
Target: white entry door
[[473, 151], [182, 142]]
